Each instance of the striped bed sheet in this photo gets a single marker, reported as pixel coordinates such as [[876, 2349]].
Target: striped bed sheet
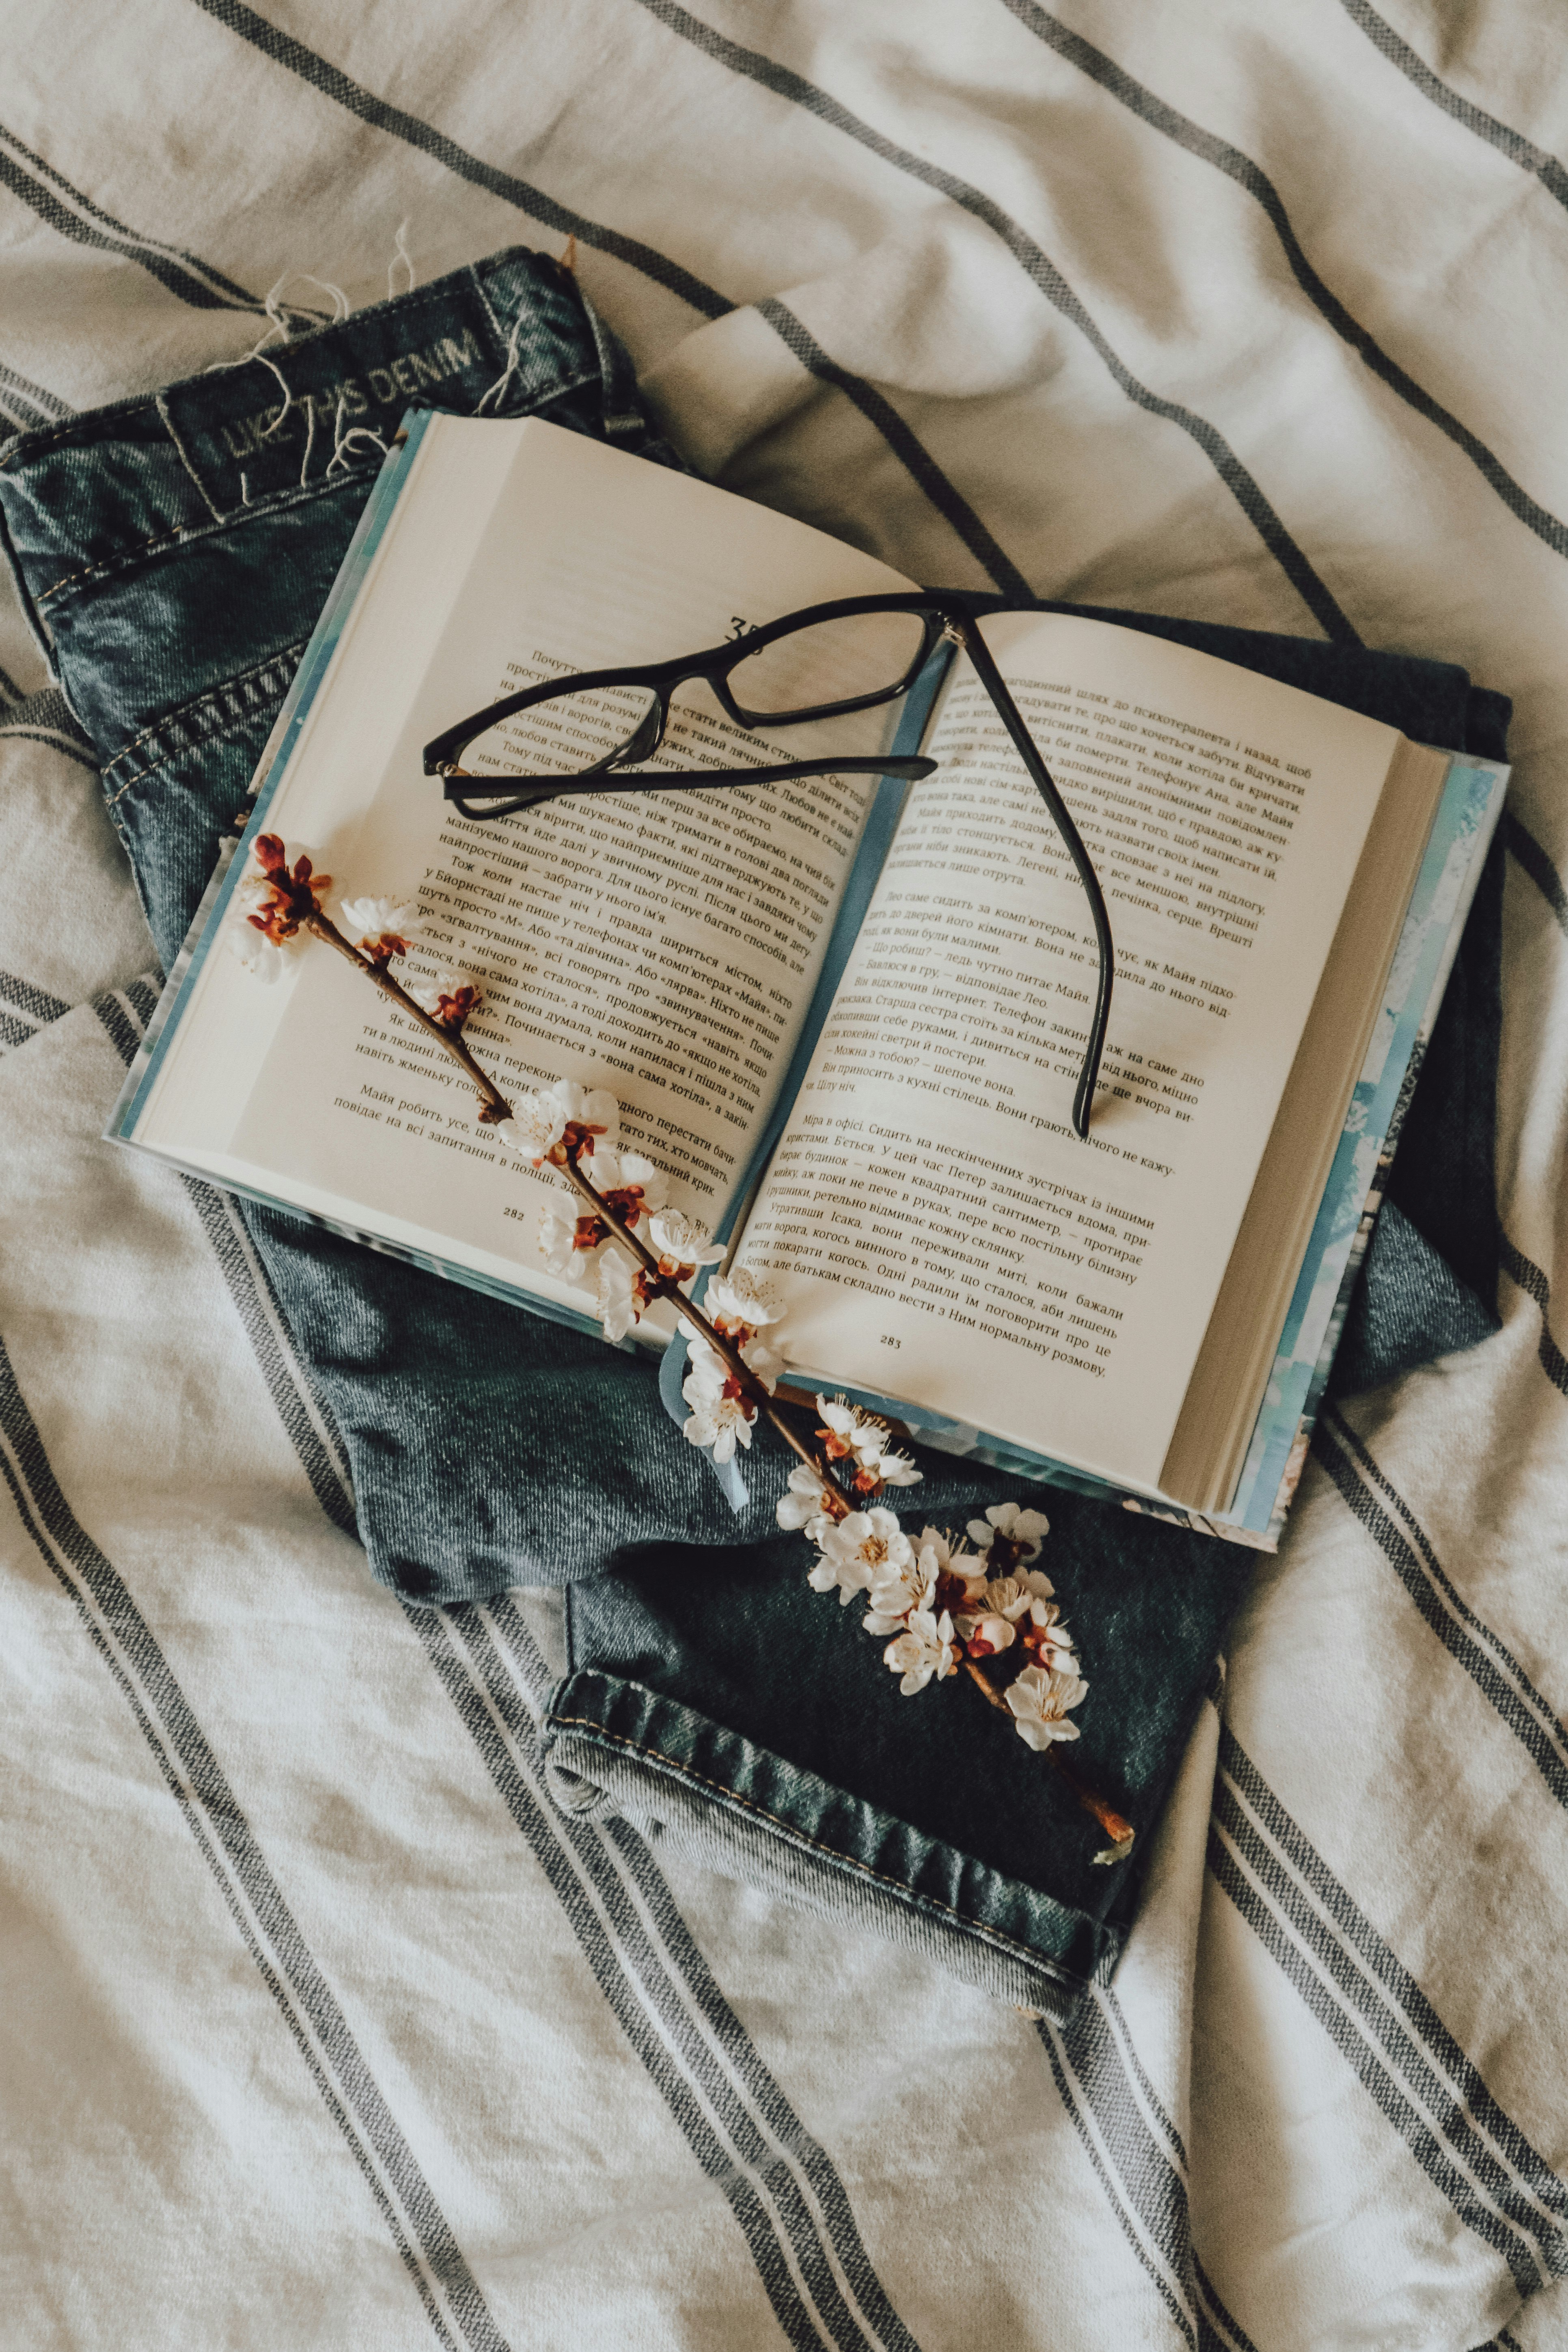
[[320, 2026]]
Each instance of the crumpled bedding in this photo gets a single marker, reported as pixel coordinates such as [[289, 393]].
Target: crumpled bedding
[[321, 2026]]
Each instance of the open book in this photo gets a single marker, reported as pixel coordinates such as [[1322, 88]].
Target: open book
[[846, 1015]]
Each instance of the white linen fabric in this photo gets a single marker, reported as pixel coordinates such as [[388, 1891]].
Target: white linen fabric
[[320, 2028]]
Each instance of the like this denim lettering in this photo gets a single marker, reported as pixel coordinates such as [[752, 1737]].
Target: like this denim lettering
[[175, 552]]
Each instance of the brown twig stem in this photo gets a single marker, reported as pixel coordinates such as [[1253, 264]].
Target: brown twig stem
[[725, 1349], [1119, 1831], [495, 1109], [496, 1105]]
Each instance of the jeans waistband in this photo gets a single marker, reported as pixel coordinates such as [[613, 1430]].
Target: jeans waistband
[[167, 468]]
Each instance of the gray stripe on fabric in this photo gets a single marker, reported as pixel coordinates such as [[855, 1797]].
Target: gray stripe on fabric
[[332, 83], [1542, 165], [15, 1031], [124, 1028], [708, 2069], [241, 298], [752, 2076], [1432, 2111], [1117, 2015], [1523, 847], [29, 999], [41, 407], [251, 1893], [904, 446], [71, 215], [1044, 274], [1550, 1720], [1210, 149], [1150, 2187], [558, 1846], [66, 745], [1231, 2337], [1362, 1994], [1181, 2316], [1323, 2003], [1527, 1275], [49, 710], [762, 2087], [141, 996], [1468, 1640], [260, 1313], [305, 1414]]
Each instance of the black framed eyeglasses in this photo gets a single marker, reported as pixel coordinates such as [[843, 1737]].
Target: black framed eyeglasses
[[599, 725]]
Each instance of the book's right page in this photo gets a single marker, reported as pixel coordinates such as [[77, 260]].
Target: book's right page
[[948, 1237]]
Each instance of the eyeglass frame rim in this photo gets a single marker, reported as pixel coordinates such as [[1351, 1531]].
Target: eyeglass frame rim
[[950, 613]]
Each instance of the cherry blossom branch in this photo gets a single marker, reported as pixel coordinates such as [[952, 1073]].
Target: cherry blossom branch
[[1119, 1831], [724, 1348], [944, 1604]]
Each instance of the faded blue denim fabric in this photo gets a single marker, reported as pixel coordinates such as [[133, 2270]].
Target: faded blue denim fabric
[[175, 552]]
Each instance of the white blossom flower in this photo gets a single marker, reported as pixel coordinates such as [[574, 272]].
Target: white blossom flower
[[764, 1361], [740, 1298], [676, 1235], [264, 958], [721, 1422], [841, 1419], [375, 918], [1039, 1700], [939, 1556], [539, 1121], [263, 953], [560, 1238], [986, 1636], [618, 1305], [1047, 1640], [448, 994], [1006, 1596], [898, 1585], [855, 1550], [924, 1648], [252, 891], [849, 1433], [1017, 1527], [630, 1183], [706, 1370], [557, 1232], [800, 1506]]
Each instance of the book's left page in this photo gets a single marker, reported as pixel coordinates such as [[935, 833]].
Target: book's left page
[[663, 946]]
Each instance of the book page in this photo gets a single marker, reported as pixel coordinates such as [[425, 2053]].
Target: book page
[[947, 1238], [664, 945]]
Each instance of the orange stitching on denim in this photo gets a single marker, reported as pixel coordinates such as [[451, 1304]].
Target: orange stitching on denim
[[137, 547], [176, 751], [639, 1747], [240, 678]]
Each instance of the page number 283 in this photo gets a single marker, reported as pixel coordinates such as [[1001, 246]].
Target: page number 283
[[888, 1342]]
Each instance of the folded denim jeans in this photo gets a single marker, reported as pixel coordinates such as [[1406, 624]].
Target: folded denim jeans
[[172, 552]]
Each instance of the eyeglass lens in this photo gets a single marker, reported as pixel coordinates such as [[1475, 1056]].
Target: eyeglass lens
[[828, 666]]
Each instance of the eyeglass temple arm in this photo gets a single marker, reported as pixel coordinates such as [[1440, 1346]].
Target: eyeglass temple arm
[[966, 634], [526, 792]]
